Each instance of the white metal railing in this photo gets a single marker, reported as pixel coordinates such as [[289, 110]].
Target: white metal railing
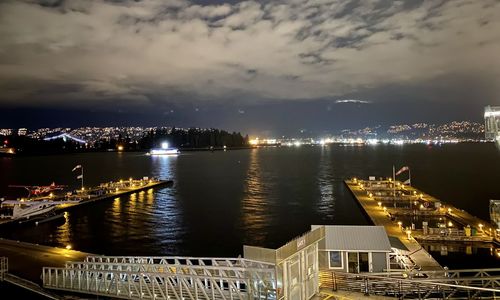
[[165, 278], [4, 267], [458, 284]]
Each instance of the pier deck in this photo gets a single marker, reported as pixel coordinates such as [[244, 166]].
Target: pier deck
[[27, 260], [381, 218]]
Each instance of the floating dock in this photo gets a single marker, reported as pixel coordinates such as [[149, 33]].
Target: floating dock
[[104, 191], [397, 207], [380, 217]]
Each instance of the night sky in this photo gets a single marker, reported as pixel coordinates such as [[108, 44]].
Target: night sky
[[262, 67]]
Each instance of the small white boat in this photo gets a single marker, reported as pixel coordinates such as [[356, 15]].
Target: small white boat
[[17, 210]]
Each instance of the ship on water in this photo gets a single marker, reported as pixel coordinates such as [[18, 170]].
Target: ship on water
[[164, 150], [19, 210]]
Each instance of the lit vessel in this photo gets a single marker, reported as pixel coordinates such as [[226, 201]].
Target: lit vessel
[[17, 210], [164, 150]]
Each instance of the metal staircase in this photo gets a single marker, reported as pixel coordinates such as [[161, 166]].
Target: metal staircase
[[165, 278]]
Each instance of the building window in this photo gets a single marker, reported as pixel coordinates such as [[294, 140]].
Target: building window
[[335, 259]]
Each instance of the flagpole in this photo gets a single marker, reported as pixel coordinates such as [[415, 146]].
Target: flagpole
[[409, 174], [82, 178], [394, 180]]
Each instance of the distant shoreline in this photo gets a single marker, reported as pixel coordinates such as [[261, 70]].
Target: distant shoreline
[[21, 154]]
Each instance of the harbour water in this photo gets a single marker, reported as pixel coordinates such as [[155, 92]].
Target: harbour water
[[221, 200]]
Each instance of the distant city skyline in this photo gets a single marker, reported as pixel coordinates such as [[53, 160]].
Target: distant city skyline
[[462, 130], [262, 67]]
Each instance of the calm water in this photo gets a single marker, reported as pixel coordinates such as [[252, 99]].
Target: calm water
[[262, 197]]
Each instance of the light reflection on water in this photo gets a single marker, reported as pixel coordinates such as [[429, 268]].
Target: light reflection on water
[[255, 210], [326, 202]]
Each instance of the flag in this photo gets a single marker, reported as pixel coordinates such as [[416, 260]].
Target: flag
[[79, 177], [77, 167], [405, 168]]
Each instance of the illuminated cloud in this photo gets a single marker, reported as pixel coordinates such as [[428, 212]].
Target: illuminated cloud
[[154, 51], [353, 101]]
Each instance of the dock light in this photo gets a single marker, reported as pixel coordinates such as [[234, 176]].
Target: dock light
[[390, 179], [164, 145], [421, 206], [408, 233], [415, 202], [450, 224], [449, 210], [83, 189], [121, 181], [400, 224], [481, 227], [116, 189], [130, 179], [120, 148], [51, 195], [421, 195], [68, 247], [354, 179], [370, 195], [385, 209], [379, 204], [414, 192]]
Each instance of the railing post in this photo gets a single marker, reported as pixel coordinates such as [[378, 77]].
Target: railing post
[[334, 281], [367, 292]]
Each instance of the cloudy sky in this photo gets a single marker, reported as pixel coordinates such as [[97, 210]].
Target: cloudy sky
[[258, 66]]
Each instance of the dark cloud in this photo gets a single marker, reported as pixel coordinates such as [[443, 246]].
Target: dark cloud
[[231, 56]]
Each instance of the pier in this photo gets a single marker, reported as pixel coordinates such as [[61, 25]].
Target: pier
[[396, 206], [104, 191], [20, 264]]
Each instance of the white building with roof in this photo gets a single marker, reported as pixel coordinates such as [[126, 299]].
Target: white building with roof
[[354, 249]]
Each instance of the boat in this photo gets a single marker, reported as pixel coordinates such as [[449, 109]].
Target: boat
[[164, 150], [22, 210]]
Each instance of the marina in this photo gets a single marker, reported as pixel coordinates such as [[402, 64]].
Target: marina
[[414, 216], [45, 208]]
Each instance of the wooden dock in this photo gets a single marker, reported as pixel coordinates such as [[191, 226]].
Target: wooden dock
[[105, 191], [380, 217]]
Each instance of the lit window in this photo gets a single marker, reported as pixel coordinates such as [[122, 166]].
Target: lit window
[[335, 259]]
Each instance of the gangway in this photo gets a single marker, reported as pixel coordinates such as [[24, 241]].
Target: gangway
[[165, 278]]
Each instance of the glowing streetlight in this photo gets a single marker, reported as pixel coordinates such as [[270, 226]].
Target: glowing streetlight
[[379, 204], [481, 227], [400, 224], [68, 247]]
